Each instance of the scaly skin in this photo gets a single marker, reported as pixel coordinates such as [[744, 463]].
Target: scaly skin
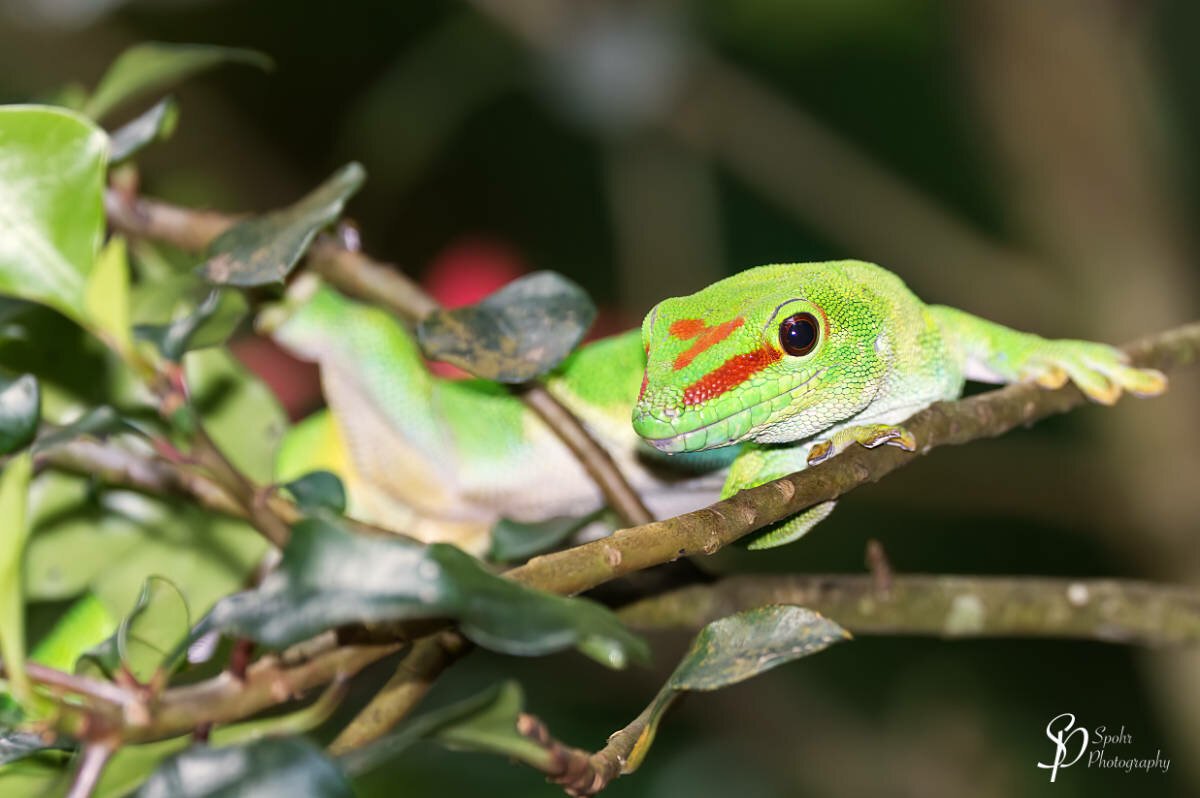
[[445, 459]]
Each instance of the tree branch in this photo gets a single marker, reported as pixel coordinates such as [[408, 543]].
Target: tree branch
[[710, 529], [1115, 610]]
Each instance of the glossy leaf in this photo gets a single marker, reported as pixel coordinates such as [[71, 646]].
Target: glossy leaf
[[106, 298], [148, 635], [16, 745], [330, 577], [20, 411], [514, 335], [96, 423], [513, 541], [731, 650], [50, 229], [14, 527], [288, 766], [319, 490], [155, 124], [264, 249], [154, 66]]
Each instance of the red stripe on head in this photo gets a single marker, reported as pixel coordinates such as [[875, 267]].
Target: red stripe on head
[[705, 337], [684, 329], [731, 373]]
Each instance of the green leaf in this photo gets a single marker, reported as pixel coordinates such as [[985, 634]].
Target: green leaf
[[265, 249], [96, 423], [237, 409], [731, 650], [270, 768], [484, 722], [330, 577], [154, 66], [146, 636], [318, 490], [20, 411], [52, 164], [156, 124], [106, 298], [514, 335], [208, 324], [14, 527], [513, 541]]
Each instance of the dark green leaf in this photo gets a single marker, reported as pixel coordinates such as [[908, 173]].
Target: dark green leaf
[[146, 636], [52, 164], [156, 124], [731, 650], [288, 767], [175, 339], [16, 745], [318, 490], [518, 333], [20, 411], [513, 541], [154, 66], [330, 577], [736, 648], [96, 423], [264, 249]]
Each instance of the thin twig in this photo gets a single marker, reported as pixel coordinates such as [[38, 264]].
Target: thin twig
[[360, 276], [91, 765]]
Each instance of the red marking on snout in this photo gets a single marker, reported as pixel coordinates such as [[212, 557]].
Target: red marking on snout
[[705, 337], [731, 373]]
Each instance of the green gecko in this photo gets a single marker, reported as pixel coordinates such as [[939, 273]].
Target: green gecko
[[764, 373]]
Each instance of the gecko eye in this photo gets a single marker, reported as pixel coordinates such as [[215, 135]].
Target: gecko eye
[[798, 334]]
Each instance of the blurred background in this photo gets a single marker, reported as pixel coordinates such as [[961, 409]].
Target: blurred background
[[1031, 162]]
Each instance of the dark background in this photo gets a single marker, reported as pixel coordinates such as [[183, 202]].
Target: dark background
[[1033, 162]]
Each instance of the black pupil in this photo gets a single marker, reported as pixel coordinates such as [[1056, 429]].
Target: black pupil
[[798, 334]]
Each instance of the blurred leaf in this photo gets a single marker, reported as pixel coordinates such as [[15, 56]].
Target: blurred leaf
[[238, 410], [514, 335], [330, 577], [731, 650], [513, 541], [20, 411], [96, 423], [156, 124], [319, 490], [269, 768], [84, 625], [52, 166], [147, 635], [14, 527], [154, 66], [264, 249], [109, 541], [106, 298], [484, 722], [16, 745], [218, 315]]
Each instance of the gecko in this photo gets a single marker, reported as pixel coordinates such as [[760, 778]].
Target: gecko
[[767, 372]]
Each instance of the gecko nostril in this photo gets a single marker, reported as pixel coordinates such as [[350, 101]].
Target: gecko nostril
[[671, 412]]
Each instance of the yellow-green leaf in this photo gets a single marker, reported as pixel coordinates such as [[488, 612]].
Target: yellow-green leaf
[[14, 500], [106, 298]]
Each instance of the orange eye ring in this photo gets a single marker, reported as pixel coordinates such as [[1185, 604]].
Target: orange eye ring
[[799, 334]]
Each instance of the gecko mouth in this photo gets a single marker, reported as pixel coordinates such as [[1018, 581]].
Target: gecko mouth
[[732, 428]]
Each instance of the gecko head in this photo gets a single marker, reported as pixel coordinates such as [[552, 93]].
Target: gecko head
[[765, 355]]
